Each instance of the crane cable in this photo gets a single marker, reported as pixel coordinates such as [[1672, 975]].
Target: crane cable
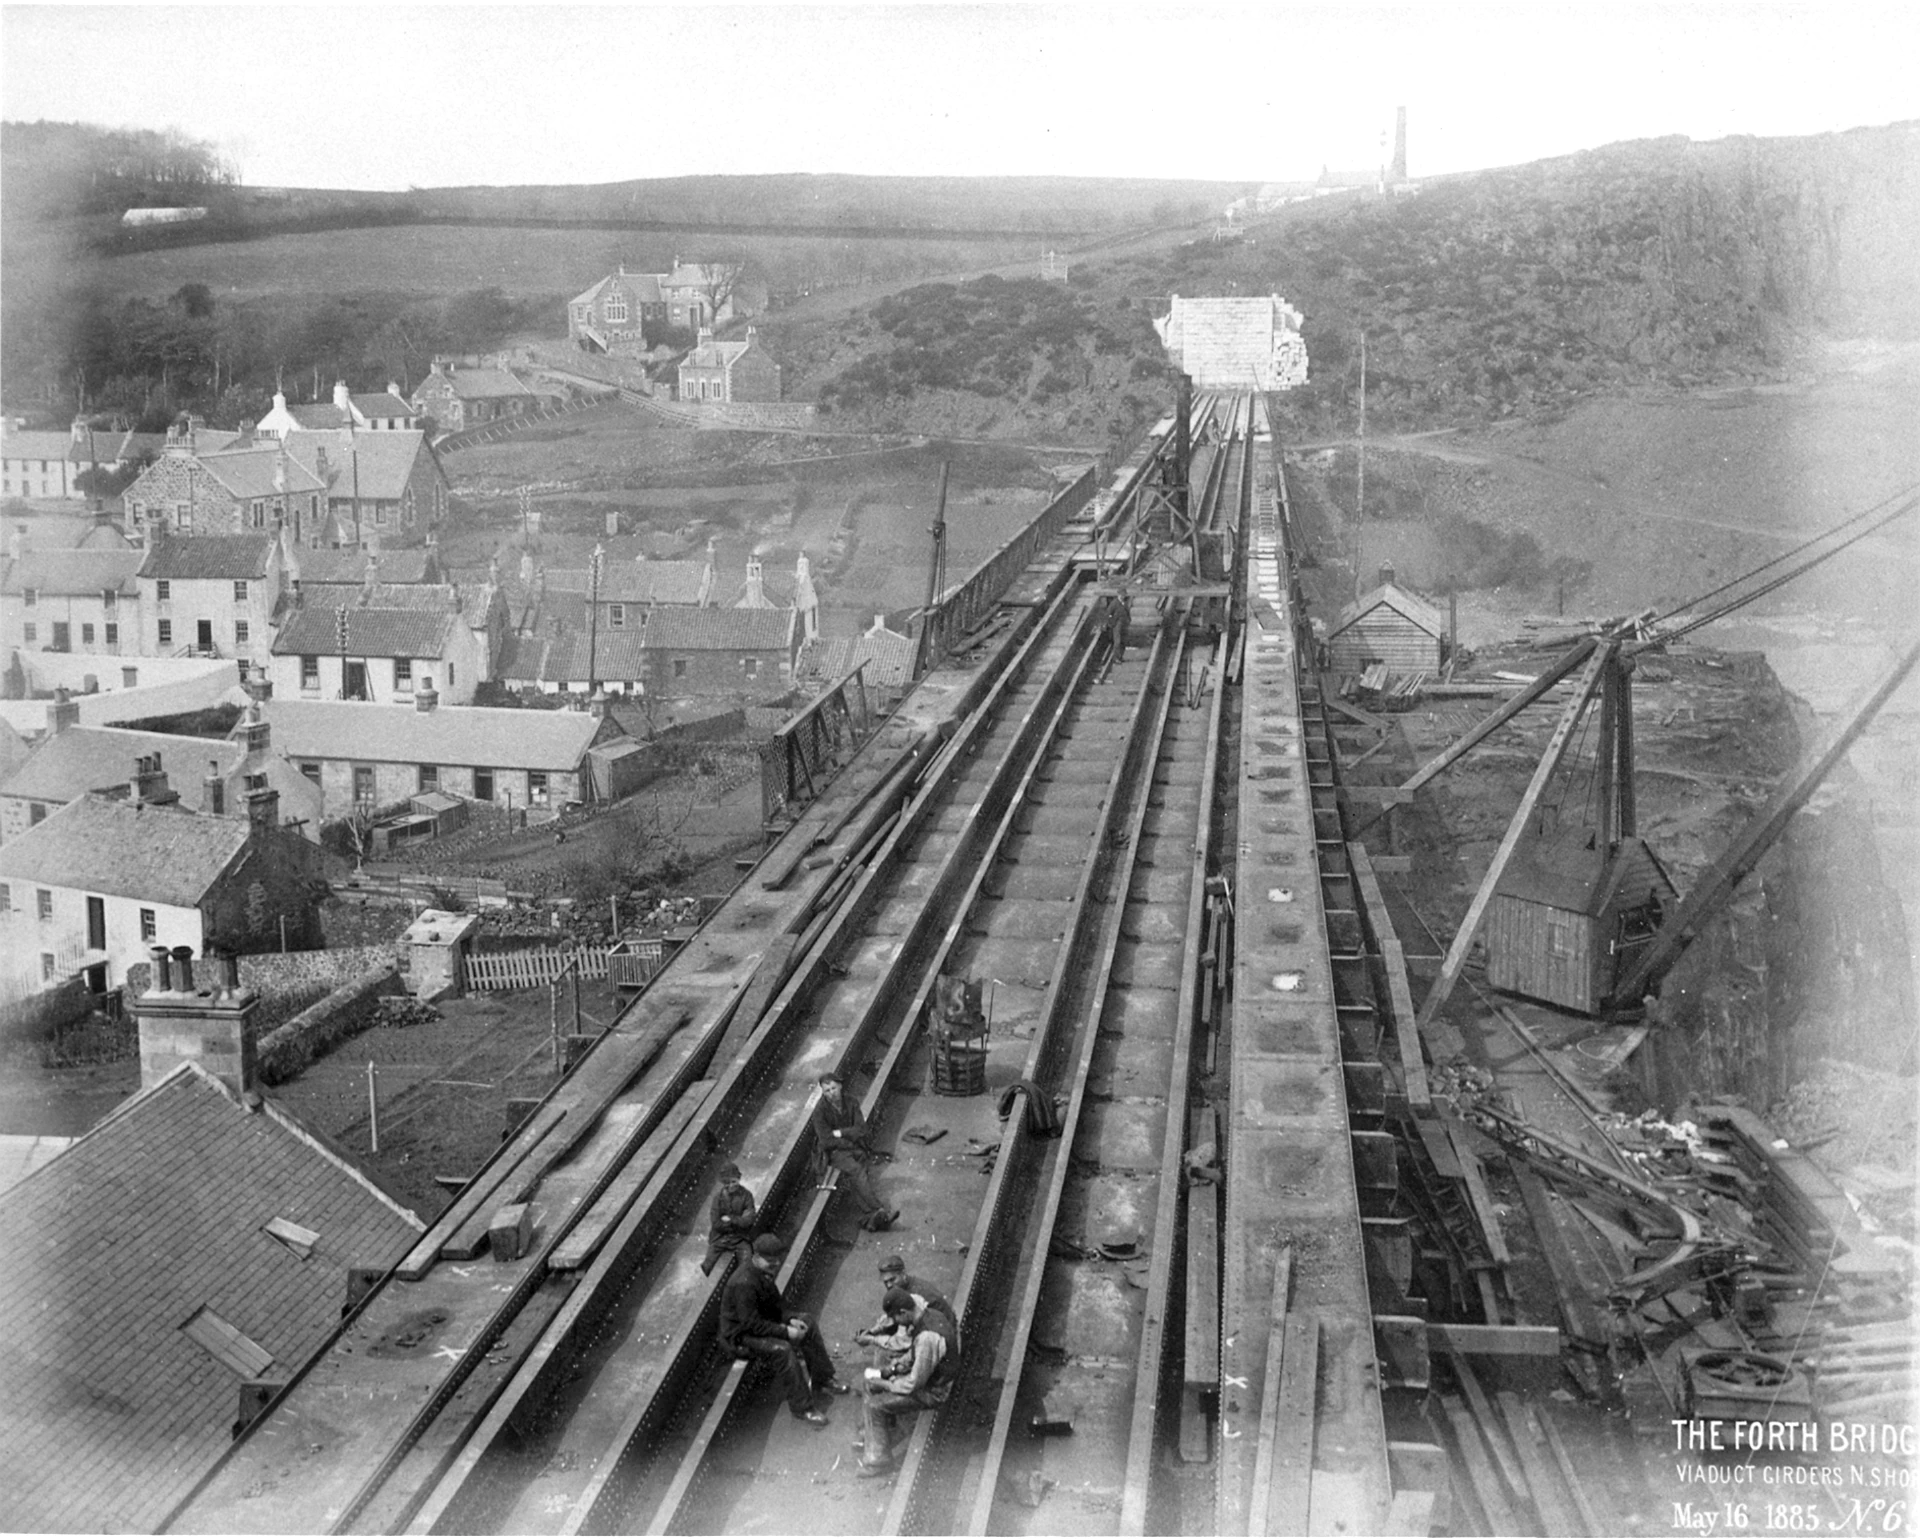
[[1786, 577]]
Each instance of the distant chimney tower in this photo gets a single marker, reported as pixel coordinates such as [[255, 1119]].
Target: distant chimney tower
[[1399, 171]]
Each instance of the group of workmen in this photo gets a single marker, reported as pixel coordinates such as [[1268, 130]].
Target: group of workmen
[[914, 1344]]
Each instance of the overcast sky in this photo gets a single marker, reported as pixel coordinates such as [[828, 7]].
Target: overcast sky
[[434, 95]]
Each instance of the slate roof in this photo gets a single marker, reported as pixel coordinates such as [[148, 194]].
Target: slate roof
[[680, 627], [504, 737], [484, 384], [383, 461], [636, 582], [1401, 602], [112, 1411], [72, 572], [252, 472], [126, 850], [33, 444], [81, 759], [564, 659], [421, 597], [714, 355], [888, 656], [193, 557], [314, 630], [323, 415], [418, 565]]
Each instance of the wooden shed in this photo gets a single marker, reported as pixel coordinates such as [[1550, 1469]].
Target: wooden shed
[[1568, 918], [1388, 625]]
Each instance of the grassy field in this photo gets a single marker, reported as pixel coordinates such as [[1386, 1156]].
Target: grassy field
[[525, 263]]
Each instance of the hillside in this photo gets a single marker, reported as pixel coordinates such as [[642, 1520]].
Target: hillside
[[1504, 293]]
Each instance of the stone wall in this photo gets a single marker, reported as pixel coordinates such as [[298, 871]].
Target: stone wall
[[346, 1012]]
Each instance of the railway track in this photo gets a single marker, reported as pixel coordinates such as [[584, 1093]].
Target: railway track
[[1135, 845]]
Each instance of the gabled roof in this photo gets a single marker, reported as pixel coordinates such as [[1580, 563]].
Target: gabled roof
[[81, 759], [565, 659], [686, 629], [887, 654], [420, 597], [374, 465], [33, 444], [381, 403], [1401, 602], [193, 557], [480, 384], [72, 572], [1567, 872], [499, 736], [314, 630], [112, 1411], [256, 472], [715, 355], [636, 582], [418, 565], [126, 850]]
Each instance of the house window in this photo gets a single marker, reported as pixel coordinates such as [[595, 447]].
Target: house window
[[537, 787], [259, 511], [36, 813], [429, 777], [449, 675], [403, 675], [149, 924], [31, 632], [617, 616], [309, 673], [750, 666], [6, 898], [109, 599], [113, 634], [240, 588], [183, 517], [679, 667], [30, 597], [616, 309], [311, 769], [86, 633], [43, 903], [363, 783], [240, 633], [483, 785], [128, 676], [166, 633], [163, 590]]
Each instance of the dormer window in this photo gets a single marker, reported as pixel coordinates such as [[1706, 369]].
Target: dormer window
[[617, 616]]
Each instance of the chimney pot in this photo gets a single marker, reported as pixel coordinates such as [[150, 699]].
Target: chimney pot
[[183, 961], [162, 968]]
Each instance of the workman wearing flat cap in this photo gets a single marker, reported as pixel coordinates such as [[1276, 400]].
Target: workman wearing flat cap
[[841, 1132], [755, 1323], [731, 1219], [930, 1370], [883, 1334]]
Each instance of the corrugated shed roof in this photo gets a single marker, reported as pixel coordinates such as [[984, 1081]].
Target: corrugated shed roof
[[313, 630], [72, 572], [1401, 602], [83, 759], [192, 557], [126, 850], [683, 628], [112, 1411], [499, 736], [372, 465], [1565, 872]]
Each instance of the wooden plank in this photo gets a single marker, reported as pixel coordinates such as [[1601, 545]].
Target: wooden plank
[[1496, 1340], [1556, 751], [1590, 1522], [1513, 707], [1292, 1482], [1477, 1193], [478, 1193], [1355, 713], [1473, 1457], [1413, 1066], [1270, 1389], [1490, 1429], [1536, 1460], [584, 1239], [1379, 796], [1578, 1313], [1393, 865]]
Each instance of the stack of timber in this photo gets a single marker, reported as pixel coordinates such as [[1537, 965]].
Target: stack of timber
[[1384, 690]]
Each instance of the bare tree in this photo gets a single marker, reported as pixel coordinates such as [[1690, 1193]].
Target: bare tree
[[722, 278]]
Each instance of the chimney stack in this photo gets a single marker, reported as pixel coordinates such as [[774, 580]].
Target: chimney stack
[[63, 711], [214, 797], [263, 808], [426, 697], [1386, 573], [209, 1025], [149, 784]]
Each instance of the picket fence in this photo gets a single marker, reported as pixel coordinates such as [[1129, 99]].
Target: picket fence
[[531, 969]]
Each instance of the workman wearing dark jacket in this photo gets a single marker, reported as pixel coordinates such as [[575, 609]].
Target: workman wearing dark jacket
[[755, 1324], [840, 1130], [731, 1219], [926, 1378], [894, 1274]]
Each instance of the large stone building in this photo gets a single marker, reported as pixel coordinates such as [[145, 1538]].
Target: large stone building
[[374, 411], [71, 601], [211, 595], [205, 484], [388, 643], [456, 396], [1236, 343], [615, 315]]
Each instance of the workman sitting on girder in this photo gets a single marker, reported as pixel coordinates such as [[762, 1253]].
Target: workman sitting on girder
[[930, 1369], [840, 1129]]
